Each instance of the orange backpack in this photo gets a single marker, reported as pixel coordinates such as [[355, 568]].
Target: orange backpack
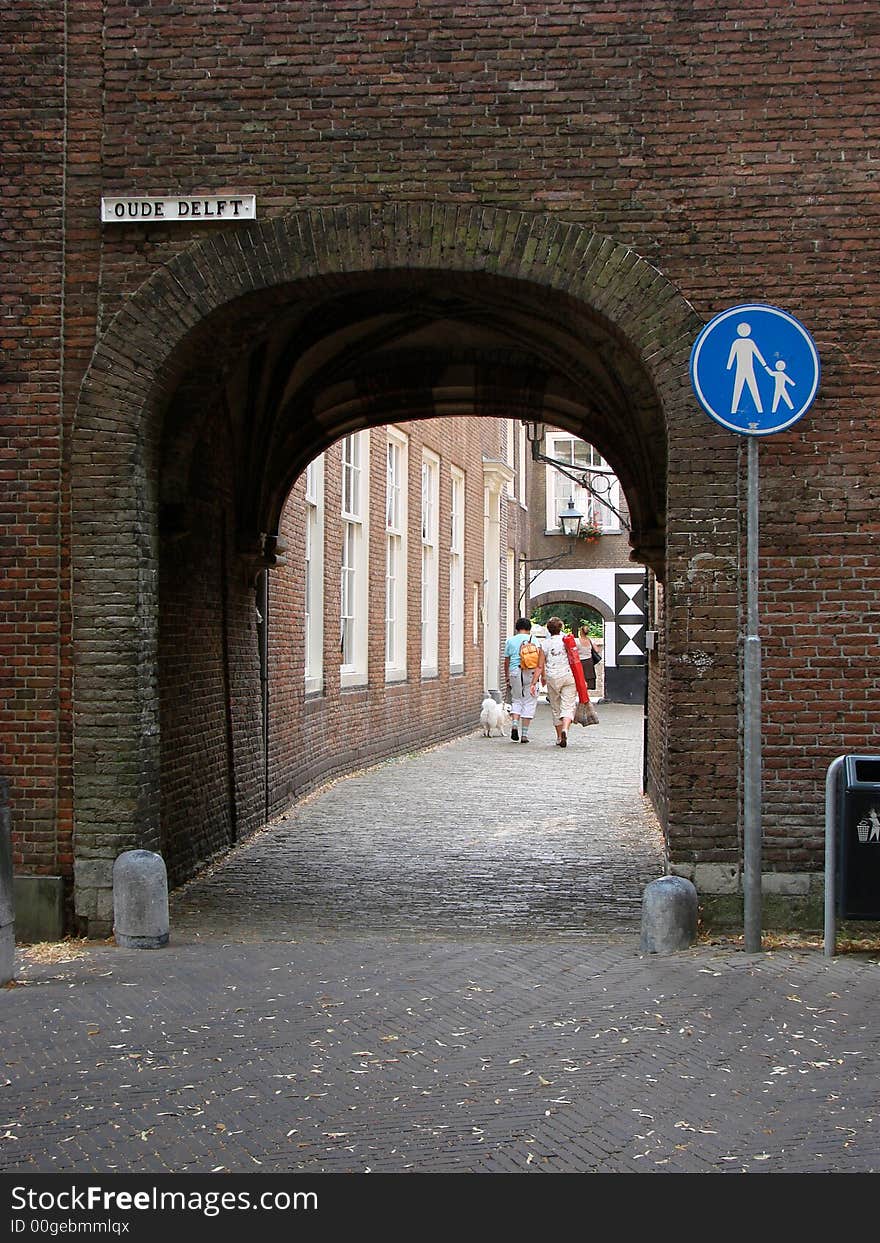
[[529, 655]]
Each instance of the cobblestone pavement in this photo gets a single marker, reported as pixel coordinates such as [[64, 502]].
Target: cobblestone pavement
[[390, 1052], [477, 834], [406, 976]]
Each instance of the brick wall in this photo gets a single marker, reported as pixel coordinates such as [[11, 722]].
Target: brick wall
[[315, 737], [32, 310], [607, 552], [198, 755], [657, 767]]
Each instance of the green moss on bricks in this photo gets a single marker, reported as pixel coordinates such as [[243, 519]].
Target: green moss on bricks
[[724, 911]]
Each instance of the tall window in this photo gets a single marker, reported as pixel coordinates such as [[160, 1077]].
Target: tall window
[[314, 575], [430, 560], [510, 452], [510, 593], [456, 571], [353, 579], [560, 490], [515, 455], [395, 555], [522, 481]]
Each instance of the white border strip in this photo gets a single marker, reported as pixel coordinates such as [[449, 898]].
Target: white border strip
[[179, 209]]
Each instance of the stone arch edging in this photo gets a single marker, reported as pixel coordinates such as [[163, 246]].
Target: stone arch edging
[[114, 452], [610, 277], [574, 597]]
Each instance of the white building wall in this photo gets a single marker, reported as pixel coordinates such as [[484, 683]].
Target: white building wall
[[598, 583]]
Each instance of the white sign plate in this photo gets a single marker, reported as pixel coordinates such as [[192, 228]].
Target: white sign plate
[[179, 209]]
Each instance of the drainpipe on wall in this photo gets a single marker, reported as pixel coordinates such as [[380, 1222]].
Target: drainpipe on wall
[[262, 594]]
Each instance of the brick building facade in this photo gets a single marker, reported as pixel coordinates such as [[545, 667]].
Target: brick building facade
[[593, 571], [516, 210], [430, 648]]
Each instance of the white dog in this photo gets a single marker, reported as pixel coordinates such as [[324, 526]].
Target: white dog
[[493, 716]]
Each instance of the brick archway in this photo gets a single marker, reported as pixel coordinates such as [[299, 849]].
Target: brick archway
[[136, 372]]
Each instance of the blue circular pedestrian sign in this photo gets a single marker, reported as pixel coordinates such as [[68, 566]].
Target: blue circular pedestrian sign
[[755, 369]]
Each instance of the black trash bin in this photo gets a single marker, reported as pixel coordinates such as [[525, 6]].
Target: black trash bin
[[858, 838]]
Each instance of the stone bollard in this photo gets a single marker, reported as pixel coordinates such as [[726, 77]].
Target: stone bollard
[[140, 900], [7, 908], [669, 916]]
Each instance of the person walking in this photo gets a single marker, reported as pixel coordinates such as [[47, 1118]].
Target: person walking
[[521, 676], [556, 672], [587, 652]]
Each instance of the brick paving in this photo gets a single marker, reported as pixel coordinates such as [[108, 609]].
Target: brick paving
[[277, 1034], [478, 834], [391, 1052]]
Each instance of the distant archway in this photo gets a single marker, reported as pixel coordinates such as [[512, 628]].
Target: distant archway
[[574, 597]]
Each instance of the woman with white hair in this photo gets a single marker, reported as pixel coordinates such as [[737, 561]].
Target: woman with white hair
[[555, 669]]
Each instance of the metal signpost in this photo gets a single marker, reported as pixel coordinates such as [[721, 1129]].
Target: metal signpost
[[755, 370]]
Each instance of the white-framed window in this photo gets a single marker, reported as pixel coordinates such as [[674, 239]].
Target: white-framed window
[[522, 483], [510, 452], [396, 474], [510, 615], [560, 489], [314, 576], [353, 601], [456, 569], [430, 560]]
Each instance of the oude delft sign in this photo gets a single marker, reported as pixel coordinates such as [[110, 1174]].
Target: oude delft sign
[[178, 208]]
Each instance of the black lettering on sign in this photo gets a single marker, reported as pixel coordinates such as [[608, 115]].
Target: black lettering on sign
[[176, 209]]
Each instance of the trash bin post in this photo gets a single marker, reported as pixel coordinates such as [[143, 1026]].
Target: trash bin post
[[856, 828], [831, 830]]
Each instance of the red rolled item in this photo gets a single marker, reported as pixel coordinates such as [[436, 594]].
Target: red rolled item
[[574, 660]]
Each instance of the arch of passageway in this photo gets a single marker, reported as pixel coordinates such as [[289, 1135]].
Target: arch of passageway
[[573, 597], [290, 334], [371, 348]]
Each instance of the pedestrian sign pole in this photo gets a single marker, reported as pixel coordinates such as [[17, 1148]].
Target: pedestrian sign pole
[[752, 834], [755, 370]]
